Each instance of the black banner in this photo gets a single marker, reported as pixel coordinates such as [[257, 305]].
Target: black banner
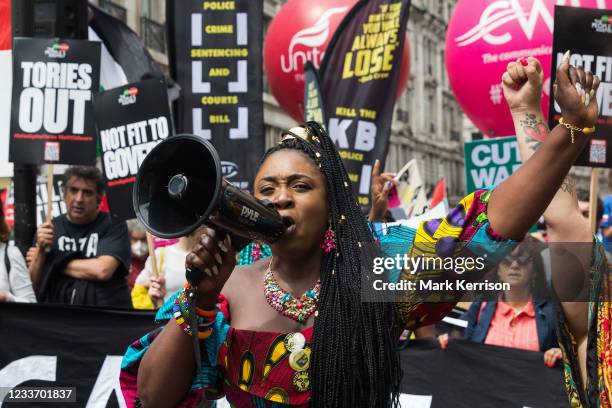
[[591, 50], [52, 116], [67, 346], [215, 57], [359, 74], [468, 375], [131, 120]]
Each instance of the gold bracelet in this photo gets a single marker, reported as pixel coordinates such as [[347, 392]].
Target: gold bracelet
[[574, 129]]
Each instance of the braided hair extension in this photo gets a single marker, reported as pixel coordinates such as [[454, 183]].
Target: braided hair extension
[[355, 360]]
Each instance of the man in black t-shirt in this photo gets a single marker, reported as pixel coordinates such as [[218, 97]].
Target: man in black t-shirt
[[81, 257]]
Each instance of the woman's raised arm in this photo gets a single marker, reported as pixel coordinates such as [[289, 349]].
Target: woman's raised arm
[[516, 204]]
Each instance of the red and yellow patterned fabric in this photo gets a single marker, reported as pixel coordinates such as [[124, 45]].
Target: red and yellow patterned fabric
[[255, 369], [598, 391]]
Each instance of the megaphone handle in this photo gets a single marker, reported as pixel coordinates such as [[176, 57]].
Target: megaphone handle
[[192, 296]]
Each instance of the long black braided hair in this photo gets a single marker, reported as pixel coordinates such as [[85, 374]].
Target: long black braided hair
[[355, 361]]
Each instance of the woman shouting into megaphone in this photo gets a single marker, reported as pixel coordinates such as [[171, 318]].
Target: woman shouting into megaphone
[[303, 327]]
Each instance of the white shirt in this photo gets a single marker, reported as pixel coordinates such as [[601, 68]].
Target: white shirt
[[17, 283], [171, 264]]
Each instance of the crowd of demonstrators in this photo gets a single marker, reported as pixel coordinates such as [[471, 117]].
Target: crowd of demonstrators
[[139, 250], [328, 332], [151, 290], [81, 257], [15, 283]]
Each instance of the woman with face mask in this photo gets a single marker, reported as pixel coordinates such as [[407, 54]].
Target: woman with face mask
[[139, 250]]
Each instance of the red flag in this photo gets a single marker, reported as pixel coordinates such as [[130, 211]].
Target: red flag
[[5, 24], [439, 193], [104, 204]]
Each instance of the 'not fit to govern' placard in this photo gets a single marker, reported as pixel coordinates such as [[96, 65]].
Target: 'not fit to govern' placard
[[132, 120]]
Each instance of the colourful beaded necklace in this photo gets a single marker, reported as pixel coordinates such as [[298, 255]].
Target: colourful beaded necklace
[[286, 304]]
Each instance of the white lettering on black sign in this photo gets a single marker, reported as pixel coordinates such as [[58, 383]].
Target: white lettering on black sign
[[125, 147], [49, 89]]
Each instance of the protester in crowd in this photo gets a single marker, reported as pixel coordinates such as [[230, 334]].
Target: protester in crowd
[[82, 257], [140, 250], [579, 269], [150, 290], [15, 283], [327, 347], [521, 317]]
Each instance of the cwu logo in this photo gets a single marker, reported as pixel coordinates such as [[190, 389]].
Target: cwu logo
[[229, 169], [501, 13], [311, 37]]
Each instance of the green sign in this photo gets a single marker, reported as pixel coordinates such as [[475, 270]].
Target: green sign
[[489, 162]]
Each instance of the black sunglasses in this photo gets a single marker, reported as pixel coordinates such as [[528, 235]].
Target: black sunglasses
[[522, 260]]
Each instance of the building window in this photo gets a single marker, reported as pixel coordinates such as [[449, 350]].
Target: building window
[[153, 34], [114, 9], [154, 9], [402, 115]]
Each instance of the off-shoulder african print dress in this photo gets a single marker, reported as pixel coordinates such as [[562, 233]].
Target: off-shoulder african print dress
[[252, 368]]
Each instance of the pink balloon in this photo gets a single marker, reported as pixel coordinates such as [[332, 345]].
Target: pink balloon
[[483, 37]]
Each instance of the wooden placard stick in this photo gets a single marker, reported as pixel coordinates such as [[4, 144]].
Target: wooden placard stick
[[593, 195]]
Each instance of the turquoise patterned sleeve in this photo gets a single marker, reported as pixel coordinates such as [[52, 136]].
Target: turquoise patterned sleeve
[[210, 349], [464, 233]]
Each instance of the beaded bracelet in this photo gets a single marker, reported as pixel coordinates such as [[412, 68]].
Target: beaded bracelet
[[180, 311], [177, 312], [573, 129], [184, 307], [208, 314]]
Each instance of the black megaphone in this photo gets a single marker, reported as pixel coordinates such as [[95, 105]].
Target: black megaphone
[[179, 187]]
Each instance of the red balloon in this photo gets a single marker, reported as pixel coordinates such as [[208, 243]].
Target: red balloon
[[483, 37], [301, 32]]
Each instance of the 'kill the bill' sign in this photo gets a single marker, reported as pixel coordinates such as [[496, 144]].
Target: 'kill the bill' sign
[[52, 114], [489, 162], [215, 56], [132, 120]]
